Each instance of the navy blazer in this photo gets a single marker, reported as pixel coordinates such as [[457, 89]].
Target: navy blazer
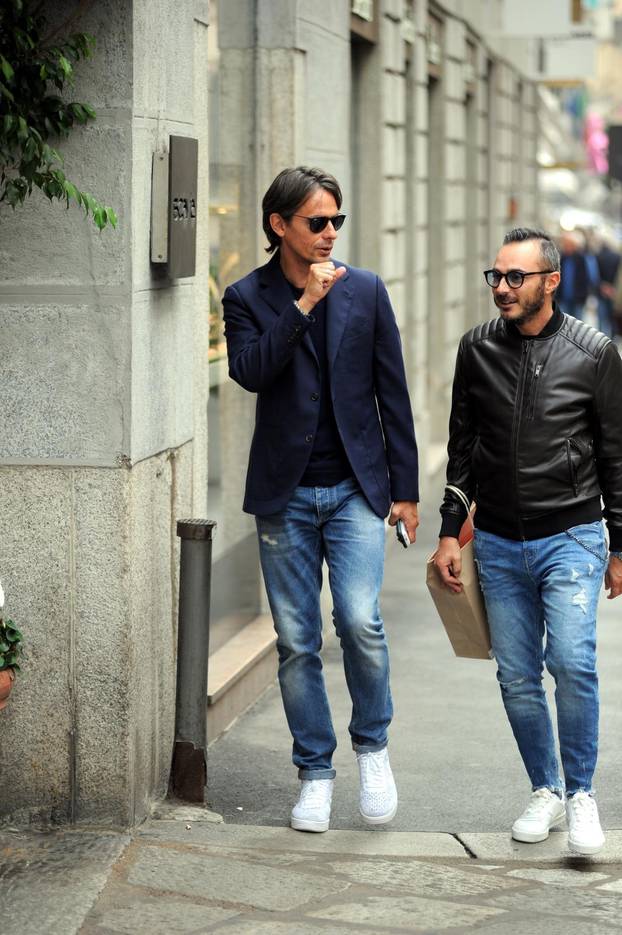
[[271, 354]]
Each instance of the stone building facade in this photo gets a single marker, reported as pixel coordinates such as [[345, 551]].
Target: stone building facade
[[104, 435], [119, 418]]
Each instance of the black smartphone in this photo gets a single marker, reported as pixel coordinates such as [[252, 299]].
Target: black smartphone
[[401, 533]]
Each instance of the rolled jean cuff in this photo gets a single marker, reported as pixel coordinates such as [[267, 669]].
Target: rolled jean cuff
[[317, 773], [368, 747]]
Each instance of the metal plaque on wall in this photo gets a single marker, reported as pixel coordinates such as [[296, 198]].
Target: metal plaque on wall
[[182, 206]]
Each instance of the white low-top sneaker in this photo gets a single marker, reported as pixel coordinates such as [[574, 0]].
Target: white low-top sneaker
[[378, 795], [585, 835], [312, 810], [545, 809]]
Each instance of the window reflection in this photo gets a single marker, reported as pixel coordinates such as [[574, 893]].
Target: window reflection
[[224, 200]]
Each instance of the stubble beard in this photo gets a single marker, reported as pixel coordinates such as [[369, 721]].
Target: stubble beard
[[529, 310]]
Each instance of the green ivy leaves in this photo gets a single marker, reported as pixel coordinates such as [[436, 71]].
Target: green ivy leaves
[[32, 114], [10, 645]]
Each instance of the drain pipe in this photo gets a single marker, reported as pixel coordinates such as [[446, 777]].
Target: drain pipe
[[189, 770]]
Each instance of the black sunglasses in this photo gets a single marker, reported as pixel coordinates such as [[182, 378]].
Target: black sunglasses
[[514, 277], [317, 224]]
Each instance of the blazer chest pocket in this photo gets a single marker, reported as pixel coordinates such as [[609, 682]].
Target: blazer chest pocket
[[358, 328]]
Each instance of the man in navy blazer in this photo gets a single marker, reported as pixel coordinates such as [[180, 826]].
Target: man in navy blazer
[[333, 453]]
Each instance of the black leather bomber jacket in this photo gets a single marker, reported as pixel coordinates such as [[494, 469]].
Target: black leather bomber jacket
[[535, 434]]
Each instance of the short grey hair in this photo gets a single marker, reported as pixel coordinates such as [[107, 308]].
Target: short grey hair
[[548, 247]]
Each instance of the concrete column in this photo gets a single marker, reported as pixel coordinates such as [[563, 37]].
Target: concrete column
[[104, 436]]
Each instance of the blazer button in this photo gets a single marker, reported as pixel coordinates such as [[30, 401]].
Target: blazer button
[[308, 438], [315, 397]]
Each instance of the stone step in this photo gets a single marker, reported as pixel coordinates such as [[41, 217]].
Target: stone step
[[238, 673]]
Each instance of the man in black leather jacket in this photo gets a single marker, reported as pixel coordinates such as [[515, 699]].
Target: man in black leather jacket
[[536, 441]]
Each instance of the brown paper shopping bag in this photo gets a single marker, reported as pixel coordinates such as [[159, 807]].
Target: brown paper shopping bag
[[464, 614]]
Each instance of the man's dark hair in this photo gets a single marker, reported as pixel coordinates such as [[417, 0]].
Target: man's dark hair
[[288, 191], [548, 247]]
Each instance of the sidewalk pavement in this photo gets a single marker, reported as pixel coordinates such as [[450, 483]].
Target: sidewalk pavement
[[187, 872], [445, 864]]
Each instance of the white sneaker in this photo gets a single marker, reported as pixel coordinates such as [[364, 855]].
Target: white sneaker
[[378, 798], [545, 809], [312, 810], [585, 835]]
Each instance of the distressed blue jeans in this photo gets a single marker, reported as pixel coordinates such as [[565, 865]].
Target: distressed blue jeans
[[335, 524], [541, 598]]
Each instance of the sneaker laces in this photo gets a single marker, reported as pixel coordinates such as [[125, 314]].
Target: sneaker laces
[[373, 770], [538, 800], [584, 811], [314, 793]]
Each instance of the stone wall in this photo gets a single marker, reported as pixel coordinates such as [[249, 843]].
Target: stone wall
[[104, 438]]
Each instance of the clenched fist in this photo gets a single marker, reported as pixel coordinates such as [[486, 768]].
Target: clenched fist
[[322, 277]]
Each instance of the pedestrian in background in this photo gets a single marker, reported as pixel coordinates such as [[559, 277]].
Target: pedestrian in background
[[536, 438], [576, 278], [616, 300], [333, 452], [608, 258]]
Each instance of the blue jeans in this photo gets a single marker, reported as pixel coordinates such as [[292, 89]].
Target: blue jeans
[[336, 524], [547, 587]]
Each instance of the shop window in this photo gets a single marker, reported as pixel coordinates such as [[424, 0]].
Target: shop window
[[224, 202]]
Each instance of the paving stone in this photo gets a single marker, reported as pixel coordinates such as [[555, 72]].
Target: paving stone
[[534, 925], [615, 886], [224, 879], [554, 901], [500, 846], [563, 877], [149, 915], [268, 858], [289, 927], [377, 842], [60, 874], [408, 912], [418, 876]]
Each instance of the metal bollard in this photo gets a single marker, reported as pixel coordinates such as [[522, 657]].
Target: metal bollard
[[189, 769]]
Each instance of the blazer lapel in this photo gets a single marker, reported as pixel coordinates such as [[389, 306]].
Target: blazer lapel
[[338, 303], [274, 287]]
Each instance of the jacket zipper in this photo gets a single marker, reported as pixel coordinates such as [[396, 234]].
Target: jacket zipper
[[534, 391], [571, 468], [516, 427]]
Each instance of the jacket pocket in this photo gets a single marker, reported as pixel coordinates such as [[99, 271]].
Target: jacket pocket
[[578, 454], [573, 464]]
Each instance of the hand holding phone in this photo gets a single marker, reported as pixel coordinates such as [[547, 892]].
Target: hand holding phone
[[402, 533]]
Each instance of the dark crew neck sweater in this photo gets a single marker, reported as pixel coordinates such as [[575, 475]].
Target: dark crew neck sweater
[[328, 462]]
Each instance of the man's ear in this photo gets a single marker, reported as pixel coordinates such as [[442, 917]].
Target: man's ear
[[277, 224], [552, 281]]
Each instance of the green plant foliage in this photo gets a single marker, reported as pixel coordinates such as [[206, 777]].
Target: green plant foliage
[[10, 645], [34, 72]]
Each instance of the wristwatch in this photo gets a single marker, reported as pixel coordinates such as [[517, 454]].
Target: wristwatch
[[616, 555]]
